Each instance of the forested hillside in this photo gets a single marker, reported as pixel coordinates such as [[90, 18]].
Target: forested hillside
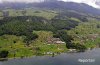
[[35, 31]]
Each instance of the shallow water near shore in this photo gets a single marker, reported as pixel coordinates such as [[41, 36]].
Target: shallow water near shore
[[90, 57]]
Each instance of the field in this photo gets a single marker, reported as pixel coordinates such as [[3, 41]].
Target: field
[[48, 14]]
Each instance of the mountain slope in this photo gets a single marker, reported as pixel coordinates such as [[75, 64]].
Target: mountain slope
[[79, 7]]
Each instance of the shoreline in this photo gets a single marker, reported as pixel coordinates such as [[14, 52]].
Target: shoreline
[[52, 55]]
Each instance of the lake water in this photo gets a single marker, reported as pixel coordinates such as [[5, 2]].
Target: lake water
[[91, 57]]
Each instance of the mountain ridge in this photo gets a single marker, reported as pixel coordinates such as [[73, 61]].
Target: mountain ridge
[[79, 7]]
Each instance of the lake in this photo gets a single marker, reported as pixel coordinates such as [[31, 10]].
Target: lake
[[90, 57]]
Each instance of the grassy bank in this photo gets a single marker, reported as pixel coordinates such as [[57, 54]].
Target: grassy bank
[[17, 48], [87, 34]]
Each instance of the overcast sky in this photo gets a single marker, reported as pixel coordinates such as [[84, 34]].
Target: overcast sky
[[19, 0], [90, 2], [40, 0]]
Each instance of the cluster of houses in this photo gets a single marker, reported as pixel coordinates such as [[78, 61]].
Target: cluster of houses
[[93, 36], [55, 41]]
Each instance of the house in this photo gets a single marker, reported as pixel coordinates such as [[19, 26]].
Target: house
[[93, 36], [55, 41]]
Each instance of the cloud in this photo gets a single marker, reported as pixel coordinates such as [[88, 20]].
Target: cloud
[[89, 2], [20, 1], [78, 1]]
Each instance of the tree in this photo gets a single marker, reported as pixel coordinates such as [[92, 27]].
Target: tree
[[3, 54], [30, 37], [24, 12], [98, 26], [62, 34], [80, 47]]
